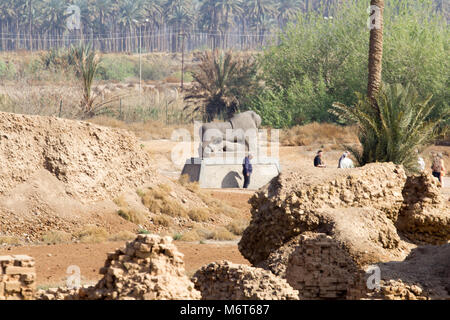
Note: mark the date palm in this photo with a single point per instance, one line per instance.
(220, 83)
(287, 10)
(375, 50)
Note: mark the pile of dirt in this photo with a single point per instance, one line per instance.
(228, 281)
(425, 215)
(60, 174)
(95, 163)
(148, 268)
(289, 205)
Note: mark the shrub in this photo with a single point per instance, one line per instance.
(157, 201)
(199, 214)
(237, 227)
(7, 70)
(9, 240)
(123, 236)
(163, 221)
(152, 71)
(92, 234)
(115, 68)
(222, 234)
(56, 237)
(131, 215)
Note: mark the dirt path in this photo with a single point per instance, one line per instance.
(53, 261)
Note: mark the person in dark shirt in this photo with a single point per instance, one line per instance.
(318, 162)
(247, 170)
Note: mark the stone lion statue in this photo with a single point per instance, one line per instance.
(238, 133)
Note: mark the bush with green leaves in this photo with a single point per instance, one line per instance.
(318, 61)
(115, 68)
(394, 129)
(7, 70)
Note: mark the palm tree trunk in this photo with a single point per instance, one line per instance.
(375, 49)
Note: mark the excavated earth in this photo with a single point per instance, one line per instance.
(59, 174)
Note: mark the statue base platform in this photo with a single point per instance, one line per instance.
(217, 173)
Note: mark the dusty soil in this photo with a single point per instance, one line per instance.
(53, 261)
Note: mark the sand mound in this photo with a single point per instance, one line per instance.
(93, 162)
(425, 215)
(59, 174)
(290, 204)
(228, 281)
(148, 268)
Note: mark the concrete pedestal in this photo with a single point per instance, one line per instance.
(216, 173)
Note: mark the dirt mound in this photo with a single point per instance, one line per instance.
(425, 215)
(59, 174)
(94, 162)
(228, 281)
(148, 268)
(425, 273)
(289, 205)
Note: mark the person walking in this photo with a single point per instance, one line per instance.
(247, 170)
(318, 162)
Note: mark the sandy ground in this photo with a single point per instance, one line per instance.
(52, 261)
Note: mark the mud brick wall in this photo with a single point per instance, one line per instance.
(321, 268)
(17, 277)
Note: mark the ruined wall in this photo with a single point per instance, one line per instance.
(228, 281)
(17, 277)
(424, 216)
(287, 206)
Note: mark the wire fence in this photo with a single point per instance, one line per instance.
(164, 41)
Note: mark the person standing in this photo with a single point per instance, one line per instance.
(318, 162)
(344, 155)
(438, 167)
(247, 170)
(420, 162)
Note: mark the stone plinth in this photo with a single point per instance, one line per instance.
(223, 172)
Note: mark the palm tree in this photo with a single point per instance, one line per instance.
(375, 50)
(181, 18)
(131, 15)
(228, 9)
(395, 129)
(86, 63)
(287, 10)
(220, 84)
(258, 13)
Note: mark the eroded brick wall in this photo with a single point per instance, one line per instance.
(17, 277)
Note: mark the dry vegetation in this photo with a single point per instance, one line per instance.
(318, 133)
